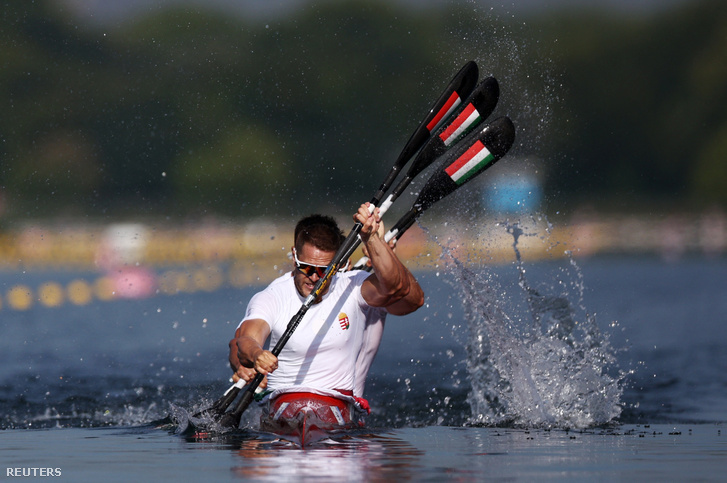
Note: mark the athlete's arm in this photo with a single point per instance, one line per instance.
(249, 340)
(391, 285)
(239, 371)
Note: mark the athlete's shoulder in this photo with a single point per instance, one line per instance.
(277, 289)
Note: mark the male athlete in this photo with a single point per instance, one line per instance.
(318, 363)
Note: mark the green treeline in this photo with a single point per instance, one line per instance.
(188, 112)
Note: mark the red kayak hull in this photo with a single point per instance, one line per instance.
(305, 418)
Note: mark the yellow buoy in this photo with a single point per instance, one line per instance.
(50, 294)
(20, 297)
(80, 292)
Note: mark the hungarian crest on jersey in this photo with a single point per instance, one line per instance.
(343, 321)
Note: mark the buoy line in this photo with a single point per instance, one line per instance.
(133, 283)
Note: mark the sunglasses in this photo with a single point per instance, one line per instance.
(308, 269)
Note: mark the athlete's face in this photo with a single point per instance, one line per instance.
(310, 265)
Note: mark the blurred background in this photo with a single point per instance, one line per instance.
(166, 132)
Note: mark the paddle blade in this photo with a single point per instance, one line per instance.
(458, 89)
(478, 107)
(220, 406)
(474, 154)
(231, 419)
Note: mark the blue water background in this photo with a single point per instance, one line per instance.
(98, 374)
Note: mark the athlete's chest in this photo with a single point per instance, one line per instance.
(329, 326)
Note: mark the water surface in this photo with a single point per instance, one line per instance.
(79, 385)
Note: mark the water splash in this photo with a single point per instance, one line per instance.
(537, 362)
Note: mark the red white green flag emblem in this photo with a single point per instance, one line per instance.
(466, 119)
(449, 106)
(343, 321)
(470, 163)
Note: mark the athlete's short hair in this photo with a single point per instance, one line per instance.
(321, 231)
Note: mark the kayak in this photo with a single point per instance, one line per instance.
(305, 418)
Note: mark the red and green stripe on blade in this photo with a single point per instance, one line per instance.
(466, 119)
(470, 163)
(449, 106)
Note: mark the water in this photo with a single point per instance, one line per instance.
(607, 368)
(418, 454)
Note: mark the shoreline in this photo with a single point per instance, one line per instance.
(137, 260)
(102, 246)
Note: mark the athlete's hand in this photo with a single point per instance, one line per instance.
(266, 362)
(381, 232)
(371, 221)
(247, 374)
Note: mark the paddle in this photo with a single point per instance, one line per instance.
(473, 155)
(465, 161)
(460, 87)
(478, 106)
(219, 407)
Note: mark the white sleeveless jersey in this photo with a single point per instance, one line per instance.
(322, 352)
(373, 332)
